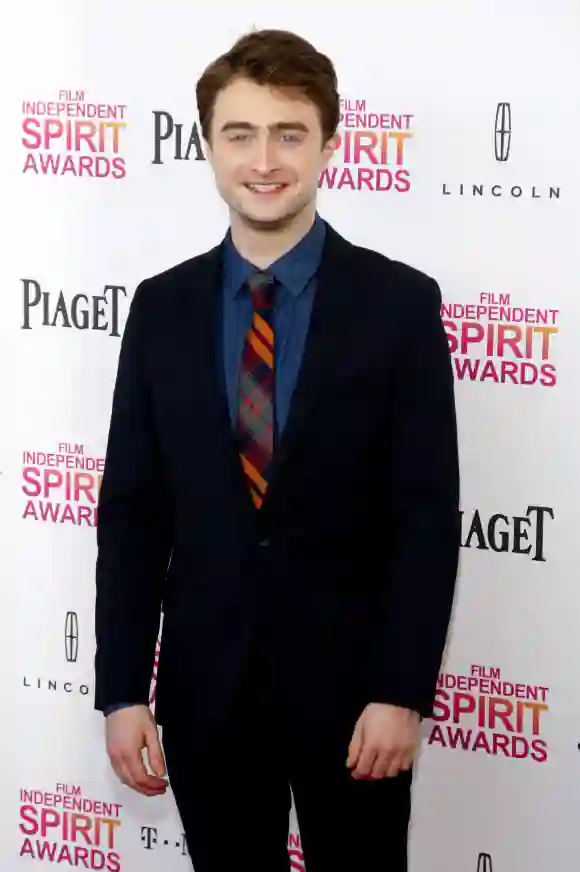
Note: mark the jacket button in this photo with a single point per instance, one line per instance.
(264, 543)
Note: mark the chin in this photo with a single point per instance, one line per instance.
(270, 217)
(261, 222)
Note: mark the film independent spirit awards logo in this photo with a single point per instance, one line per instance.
(496, 338)
(72, 135)
(487, 712)
(505, 154)
(372, 152)
(67, 684)
(61, 485)
(67, 827)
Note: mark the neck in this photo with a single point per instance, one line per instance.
(263, 247)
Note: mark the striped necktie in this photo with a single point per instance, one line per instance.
(256, 416)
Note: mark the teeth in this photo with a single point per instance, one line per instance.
(261, 188)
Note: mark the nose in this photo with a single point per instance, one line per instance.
(265, 155)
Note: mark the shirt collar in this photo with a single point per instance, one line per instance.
(293, 270)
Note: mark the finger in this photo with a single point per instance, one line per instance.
(366, 761)
(140, 777)
(394, 766)
(355, 746)
(117, 761)
(119, 769)
(155, 753)
(122, 772)
(130, 782)
(125, 776)
(145, 790)
(380, 765)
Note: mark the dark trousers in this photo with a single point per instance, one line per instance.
(233, 790)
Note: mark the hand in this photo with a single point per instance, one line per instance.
(128, 731)
(384, 742)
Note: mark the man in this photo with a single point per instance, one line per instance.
(282, 480)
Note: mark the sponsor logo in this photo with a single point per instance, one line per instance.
(515, 534)
(484, 863)
(503, 131)
(73, 136)
(62, 487)
(482, 712)
(79, 312)
(496, 341)
(71, 637)
(372, 150)
(53, 685)
(71, 653)
(296, 853)
(64, 826)
(153, 686)
(506, 187)
(152, 839)
(171, 143)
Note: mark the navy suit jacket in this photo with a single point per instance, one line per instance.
(295, 274)
(360, 521)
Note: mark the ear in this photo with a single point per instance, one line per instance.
(329, 148)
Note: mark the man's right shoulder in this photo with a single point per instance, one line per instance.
(178, 279)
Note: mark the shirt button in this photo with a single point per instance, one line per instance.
(264, 543)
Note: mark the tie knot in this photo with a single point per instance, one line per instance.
(261, 287)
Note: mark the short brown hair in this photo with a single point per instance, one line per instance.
(277, 58)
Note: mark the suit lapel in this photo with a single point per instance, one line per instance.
(331, 319)
(206, 367)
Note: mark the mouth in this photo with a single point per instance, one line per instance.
(265, 188)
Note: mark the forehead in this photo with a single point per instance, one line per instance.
(243, 100)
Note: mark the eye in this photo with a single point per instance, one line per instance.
(290, 137)
(239, 137)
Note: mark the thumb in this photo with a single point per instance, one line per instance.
(154, 752)
(356, 743)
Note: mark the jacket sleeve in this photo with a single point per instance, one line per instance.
(424, 478)
(133, 533)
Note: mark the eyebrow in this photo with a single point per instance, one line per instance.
(277, 127)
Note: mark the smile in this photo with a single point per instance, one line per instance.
(266, 188)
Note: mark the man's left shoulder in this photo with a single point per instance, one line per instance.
(394, 276)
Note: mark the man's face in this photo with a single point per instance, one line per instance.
(267, 153)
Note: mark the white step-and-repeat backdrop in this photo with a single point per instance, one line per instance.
(459, 155)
